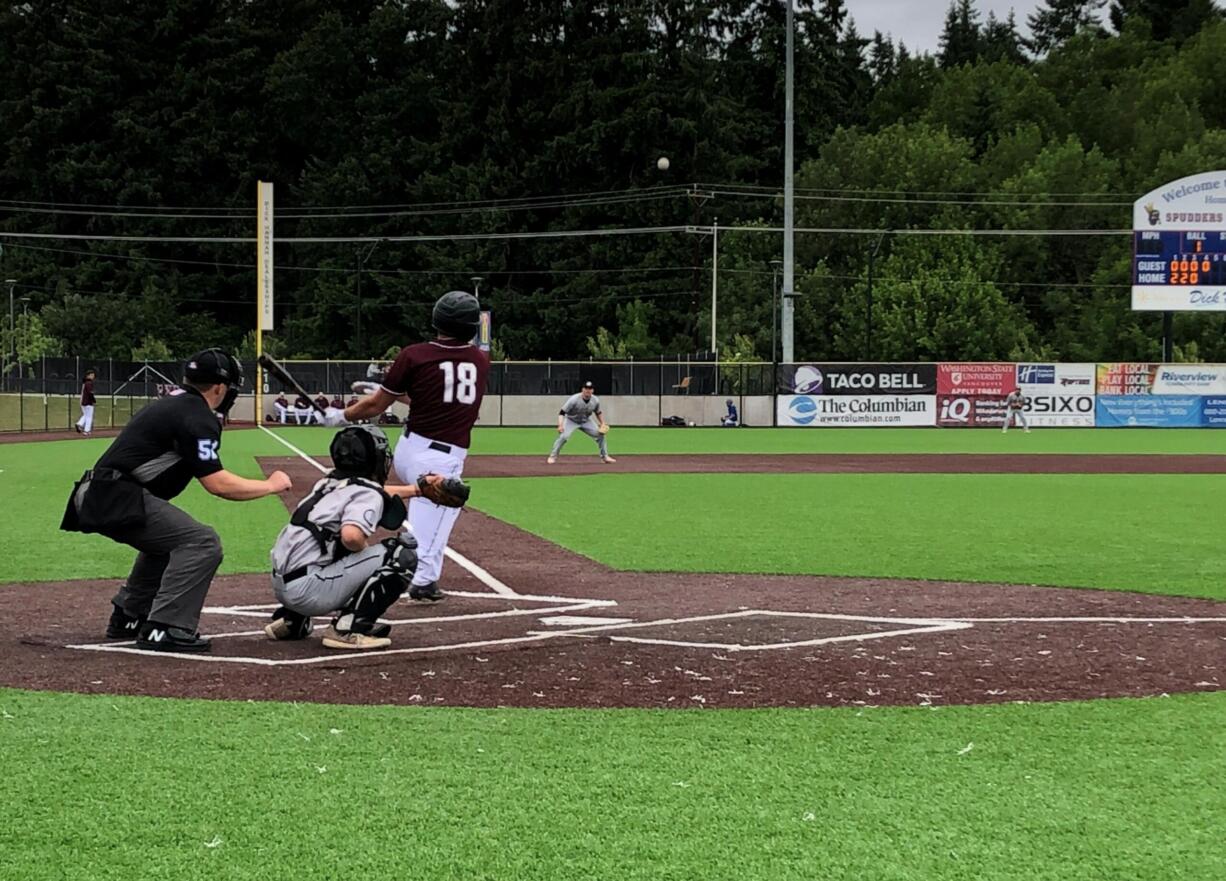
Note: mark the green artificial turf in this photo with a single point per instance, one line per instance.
(36, 412)
(1150, 533)
(36, 478)
(629, 441)
(117, 788)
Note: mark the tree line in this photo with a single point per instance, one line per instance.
(485, 129)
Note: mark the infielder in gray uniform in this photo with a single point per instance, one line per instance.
(577, 412)
(1015, 405)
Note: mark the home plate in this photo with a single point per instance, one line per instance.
(581, 621)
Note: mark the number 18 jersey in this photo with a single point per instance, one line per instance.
(445, 382)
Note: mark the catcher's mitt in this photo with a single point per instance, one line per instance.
(604, 429)
(450, 492)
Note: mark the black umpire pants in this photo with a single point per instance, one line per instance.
(177, 560)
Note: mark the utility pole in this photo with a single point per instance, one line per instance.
(12, 346)
(776, 265)
(868, 324)
(789, 257)
(362, 258)
(714, 285)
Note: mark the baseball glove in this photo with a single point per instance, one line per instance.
(450, 492)
(604, 429)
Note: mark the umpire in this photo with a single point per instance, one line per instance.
(126, 497)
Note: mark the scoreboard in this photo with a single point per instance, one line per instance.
(1179, 258)
(1179, 246)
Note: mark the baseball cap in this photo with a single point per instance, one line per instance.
(588, 384)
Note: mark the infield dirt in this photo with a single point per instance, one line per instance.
(578, 634)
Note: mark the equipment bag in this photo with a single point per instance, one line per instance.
(104, 501)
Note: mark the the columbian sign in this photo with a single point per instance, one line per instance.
(1179, 246)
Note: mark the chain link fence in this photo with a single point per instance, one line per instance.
(45, 395)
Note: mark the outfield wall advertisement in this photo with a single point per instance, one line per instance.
(972, 394)
(1058, 395)
(863, 411)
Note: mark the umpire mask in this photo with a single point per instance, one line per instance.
(213, 366)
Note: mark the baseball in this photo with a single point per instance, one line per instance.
(662, 163)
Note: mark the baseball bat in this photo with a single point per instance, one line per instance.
(274, 368)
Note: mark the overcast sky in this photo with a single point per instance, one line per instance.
(918, 23)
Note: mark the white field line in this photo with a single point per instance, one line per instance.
(321, 659)
(472, 568)
(475, 616)
(852, 637)
(1088, 620)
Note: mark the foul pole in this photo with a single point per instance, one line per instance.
(264, 285)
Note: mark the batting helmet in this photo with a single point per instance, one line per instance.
(361, 451)
(457, 314)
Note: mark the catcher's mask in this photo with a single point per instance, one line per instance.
(216, 366)
(361, 451)
(457, 314)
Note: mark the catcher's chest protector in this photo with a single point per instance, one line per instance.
(328, 537)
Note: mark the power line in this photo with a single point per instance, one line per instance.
(882, 200)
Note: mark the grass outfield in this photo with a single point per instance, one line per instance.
(628, 441)
(33, 412)
(117, 788)
(1150, 533)
(1120, 790)
(36, 478)
(1155, 533)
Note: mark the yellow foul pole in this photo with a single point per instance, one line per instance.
(264, 284)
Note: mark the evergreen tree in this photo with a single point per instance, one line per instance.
(1168, 19)
(1057, 21)
(961, 40)
(1001, 40)
(882, 59)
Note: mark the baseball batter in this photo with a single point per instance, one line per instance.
(1015, 408)
(444, 382)
(578, 413)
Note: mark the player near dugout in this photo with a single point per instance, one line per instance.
(443, 381)
(578, 413)
(85, 425)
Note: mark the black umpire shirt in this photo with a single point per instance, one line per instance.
(167, 443)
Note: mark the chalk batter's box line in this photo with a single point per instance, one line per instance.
(261, 610)
(920, 625)
(915, 626)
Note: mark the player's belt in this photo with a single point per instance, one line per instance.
(294, 574)
(442, 448)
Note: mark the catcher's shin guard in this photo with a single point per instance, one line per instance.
(361, 614)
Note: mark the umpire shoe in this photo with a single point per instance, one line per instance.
(164, 638)
(122, 625)
(426, 593)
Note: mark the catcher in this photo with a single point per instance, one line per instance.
(326, 561)
(577, 412)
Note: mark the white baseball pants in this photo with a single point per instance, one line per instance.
(430, 524)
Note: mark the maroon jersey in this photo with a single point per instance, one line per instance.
(445, 382)
(87, 394)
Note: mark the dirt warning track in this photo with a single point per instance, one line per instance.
(540, 626)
